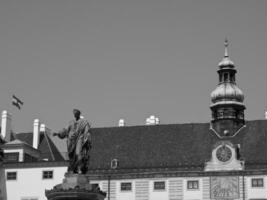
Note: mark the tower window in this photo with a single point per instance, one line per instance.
(220, 114)
(220, 78)
(225, 77)
(232, 78)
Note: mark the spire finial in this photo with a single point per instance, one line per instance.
(226, 47)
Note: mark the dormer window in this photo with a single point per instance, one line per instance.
(11, 157)
(114, 164)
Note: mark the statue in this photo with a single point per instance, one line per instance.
(78, 143)
(76, 184)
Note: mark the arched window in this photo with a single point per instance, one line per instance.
(221, 77)
(225, 77)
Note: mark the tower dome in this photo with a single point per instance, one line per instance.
(227, 92)
(226, 62)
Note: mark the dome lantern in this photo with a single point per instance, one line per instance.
(226, 61)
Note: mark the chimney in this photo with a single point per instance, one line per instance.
(152, 120)
(157, 120)
(121, 123)
(44, 129)
(6, 126)
(36, 133)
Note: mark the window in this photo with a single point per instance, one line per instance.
(47, 174)
(192, 185)
(159, 185)
(220, 77)
(225, 76)
(11, 157)
(11, 176)
(126, 186)
(257, 182)
(114, 164)
(232, 78)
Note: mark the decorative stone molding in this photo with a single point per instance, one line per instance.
(75, 187)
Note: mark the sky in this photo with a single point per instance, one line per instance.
(127, 59)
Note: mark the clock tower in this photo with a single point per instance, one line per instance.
(227, 100)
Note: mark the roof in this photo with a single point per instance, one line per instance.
(16, 141)
(163, 146)
(49, 150)
(46, 147)
(173, 145)
(156, 146)
(25, 137)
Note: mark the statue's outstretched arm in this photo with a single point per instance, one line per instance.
(62, 134)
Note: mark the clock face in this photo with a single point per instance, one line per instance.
(224, 153)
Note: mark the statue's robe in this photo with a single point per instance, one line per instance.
(78, 144)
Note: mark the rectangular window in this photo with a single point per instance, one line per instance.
(192, 185)
(126, 186)
(159, 185)
(48, 174)
(11, 157)
(11, 176)
(257, 182)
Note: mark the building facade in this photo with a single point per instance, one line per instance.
(225, 159)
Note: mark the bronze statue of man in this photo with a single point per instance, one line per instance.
(78, 143)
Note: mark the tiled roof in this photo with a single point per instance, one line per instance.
(46, 146)
(165, 146)
(25, 137)
(49, 150)
(155, 146)
(174, 145)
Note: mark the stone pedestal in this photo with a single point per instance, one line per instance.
(75, 187)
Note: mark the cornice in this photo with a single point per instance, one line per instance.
(18, 165)
(102, 175)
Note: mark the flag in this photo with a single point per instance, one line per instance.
(16, 102)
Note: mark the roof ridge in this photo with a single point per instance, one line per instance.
(48, 143)
(156, 125)
(16, 141)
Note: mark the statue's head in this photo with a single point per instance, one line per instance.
(76, 113)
